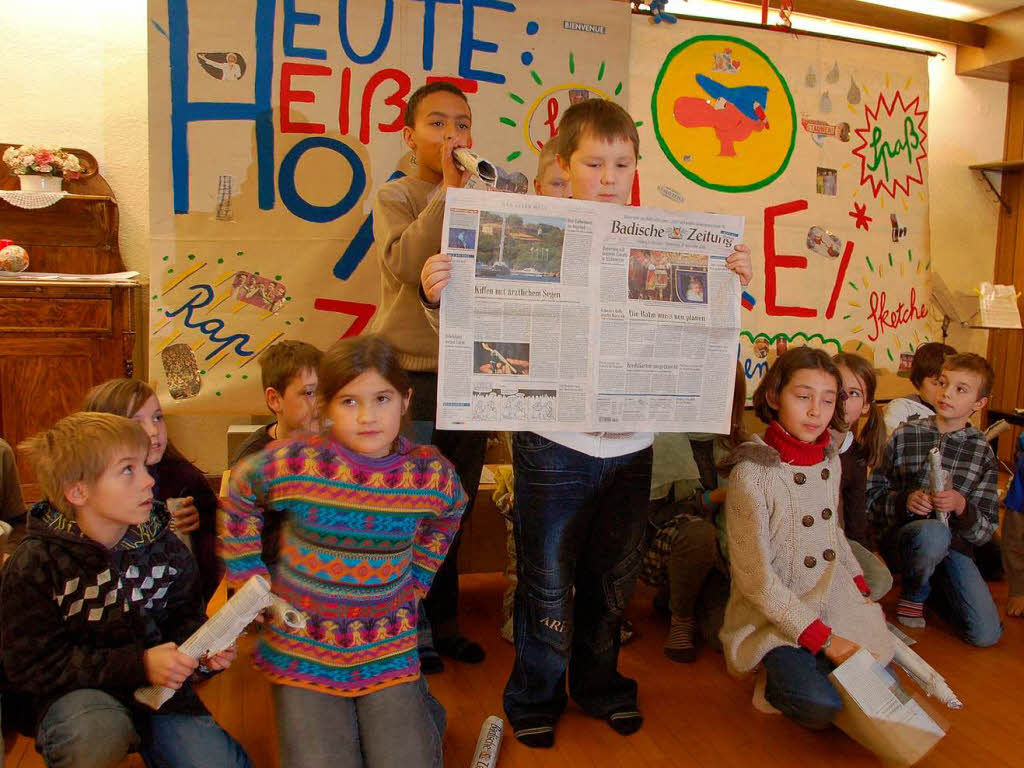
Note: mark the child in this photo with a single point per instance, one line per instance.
(580, 504)
(798, 602)
(94, 602)
(551, 180)
(924, 375)
(936, 550)
(688, 557)
(179, 483)
(859, 451)
(288, 376)
(407, 218)
(369, 518)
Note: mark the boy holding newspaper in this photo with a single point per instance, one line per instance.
(95, 601)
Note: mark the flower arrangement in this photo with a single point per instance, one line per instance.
(31, 159)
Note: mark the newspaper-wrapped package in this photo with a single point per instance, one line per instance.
(224, 627)
(489, 743)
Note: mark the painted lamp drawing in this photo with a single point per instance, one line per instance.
(734, 113)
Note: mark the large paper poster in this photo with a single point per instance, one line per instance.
(273, 123)
(822, 145)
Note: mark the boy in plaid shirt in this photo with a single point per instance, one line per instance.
(930, 537)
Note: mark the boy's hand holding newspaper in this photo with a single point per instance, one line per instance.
(168, 667)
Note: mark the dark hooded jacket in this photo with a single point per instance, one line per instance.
(74, 614)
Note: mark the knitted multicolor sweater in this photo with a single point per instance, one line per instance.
(362, 541)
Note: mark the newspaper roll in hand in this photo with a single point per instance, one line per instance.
(472, 162)
(224, 627)
(488, 745)
(924, 674)
(938, 479)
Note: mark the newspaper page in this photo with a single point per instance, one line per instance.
(582, 316)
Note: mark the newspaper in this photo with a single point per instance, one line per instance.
(583, 316)
(224, 627)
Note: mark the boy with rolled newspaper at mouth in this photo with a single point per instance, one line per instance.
(94, 603)
(934, 499)
(407, 217)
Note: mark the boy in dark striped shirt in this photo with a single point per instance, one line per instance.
(929, 536)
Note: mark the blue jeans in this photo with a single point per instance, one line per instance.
(399, 726)
(579, 525)
(88, 728)
(948, 580)
(798, 686)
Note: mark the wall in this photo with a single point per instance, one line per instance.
(82, 83)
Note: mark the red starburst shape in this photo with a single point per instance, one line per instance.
(892, 145)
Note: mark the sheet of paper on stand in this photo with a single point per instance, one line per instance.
(880, 715)
(224, 627)
(998, 304)
(113, 277)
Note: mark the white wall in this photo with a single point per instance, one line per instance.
(82, 82)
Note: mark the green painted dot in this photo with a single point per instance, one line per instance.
(202, 373)
(191, 256)
(154, 297)
(239, 253)
(277, 277)
(220, 261)
(302, 319)
(245, 376)
(217, 394)
(170, 271)
(255, 273)
(166, 258)
(287, 322)
(287, 298)
(227, 376)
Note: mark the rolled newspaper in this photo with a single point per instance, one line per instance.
(472, 162)
(224, 627)
(938, 479)
(489, 744)
(924, 674)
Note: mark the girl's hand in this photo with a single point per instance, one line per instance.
(739, 262)
(184, 515)
(840, 649)
(222, 660)
(435, 275)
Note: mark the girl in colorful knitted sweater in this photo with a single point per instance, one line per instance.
(798, 605)
(369, 518)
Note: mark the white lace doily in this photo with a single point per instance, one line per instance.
(30, 199)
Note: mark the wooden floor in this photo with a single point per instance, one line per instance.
(695, 715)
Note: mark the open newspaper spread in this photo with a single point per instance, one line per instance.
(582, 316)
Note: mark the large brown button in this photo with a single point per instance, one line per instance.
(810, 562)
(824, 473)
(799, 478)
(826, 513)
(808, 521)
(829, 555)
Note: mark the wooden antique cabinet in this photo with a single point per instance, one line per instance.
(59, 339)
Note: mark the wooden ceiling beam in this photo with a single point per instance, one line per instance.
(883, 17)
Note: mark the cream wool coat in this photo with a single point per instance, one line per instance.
(790, 562)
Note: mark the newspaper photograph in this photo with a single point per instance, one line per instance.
(586, 317)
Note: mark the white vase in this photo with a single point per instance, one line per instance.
(32, 182)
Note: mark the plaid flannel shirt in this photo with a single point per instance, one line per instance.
(904, 469)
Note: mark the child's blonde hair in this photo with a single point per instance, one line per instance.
(602, 119)
(78, 449)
